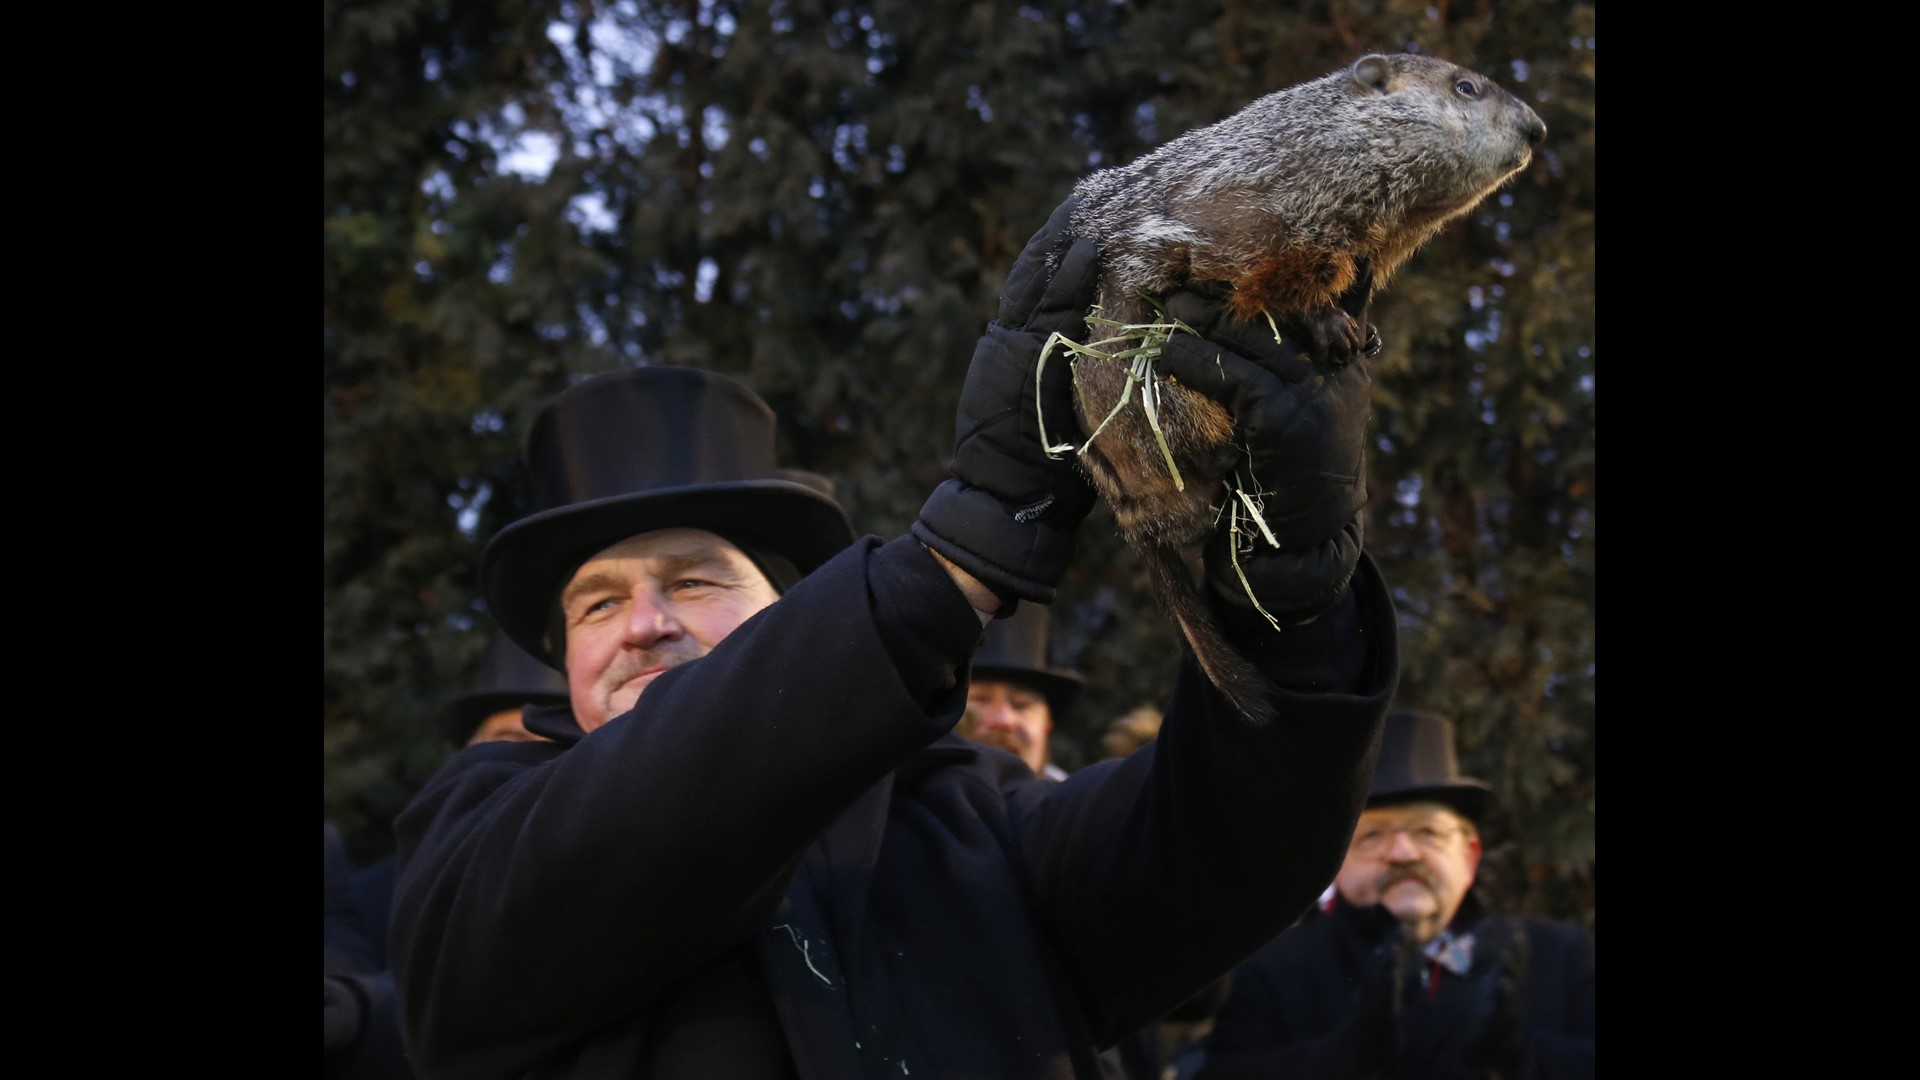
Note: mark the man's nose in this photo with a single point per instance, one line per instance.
(996, 717)
(650, 619)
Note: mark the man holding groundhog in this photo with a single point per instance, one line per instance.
(755, 847)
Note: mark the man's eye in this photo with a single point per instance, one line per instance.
(691, 583)
(596, 606)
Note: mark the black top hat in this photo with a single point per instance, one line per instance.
(1015, 650)
(1417, 764)
(508, 676)
(649, 448)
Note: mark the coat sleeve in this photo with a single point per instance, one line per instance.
(1530, 1013)
(546, 891)
(1157, 874)
(1559, 1035)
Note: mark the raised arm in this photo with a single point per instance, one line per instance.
(1162, 872)
(679, 823)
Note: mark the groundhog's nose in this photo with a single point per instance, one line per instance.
(1536, 131)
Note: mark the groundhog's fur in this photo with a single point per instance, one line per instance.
(1287, 204)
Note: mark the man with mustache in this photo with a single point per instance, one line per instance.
(508, 680)
(1014, 696)
(1400, 972)
(753, 845)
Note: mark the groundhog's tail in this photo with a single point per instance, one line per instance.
(1237, 679)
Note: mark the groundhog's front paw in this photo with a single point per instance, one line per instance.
(1333, 336)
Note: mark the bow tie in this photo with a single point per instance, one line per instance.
(1450, 952)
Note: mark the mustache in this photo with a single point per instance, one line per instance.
(631, 664)
(1398, 874)
(1006, 740)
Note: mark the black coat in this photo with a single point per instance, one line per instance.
(1292, 1011)
(781, 858)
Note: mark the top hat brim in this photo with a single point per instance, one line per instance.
(527, 563)
(1470, 798)
(1060, 688)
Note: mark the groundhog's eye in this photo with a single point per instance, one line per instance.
(1467, 88)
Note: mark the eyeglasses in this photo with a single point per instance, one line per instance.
(1374, 840)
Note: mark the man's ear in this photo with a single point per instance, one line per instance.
(1473, 854)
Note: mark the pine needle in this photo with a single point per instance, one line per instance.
(1233, 555)
(1253, 509)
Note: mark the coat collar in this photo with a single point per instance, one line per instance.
(554, 722)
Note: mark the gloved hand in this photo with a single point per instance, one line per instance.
(361, 1029)
(1303, 424)
(1009, 514)
(343, 1014)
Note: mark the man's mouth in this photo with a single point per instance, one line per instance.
(643, 678)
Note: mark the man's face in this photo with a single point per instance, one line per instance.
(649, 603)
(503, 726)
(1417, 859)
(1010, 715)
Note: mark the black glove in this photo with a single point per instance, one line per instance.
(343, 1014)
(361, 1029)
(1303, 424)
(1009, 514)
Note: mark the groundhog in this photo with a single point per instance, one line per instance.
(1283, 207)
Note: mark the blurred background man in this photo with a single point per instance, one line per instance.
(1402, 972)
(508, 679)
(1016, 697)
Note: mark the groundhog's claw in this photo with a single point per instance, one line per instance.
(1333, 336)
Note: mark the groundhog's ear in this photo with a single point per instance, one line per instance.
(1371, 71)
